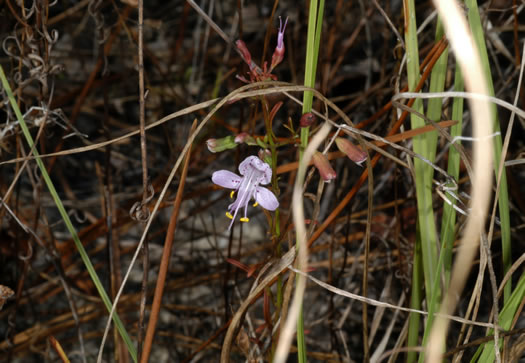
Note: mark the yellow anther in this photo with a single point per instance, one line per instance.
(255, 204)
(244, 219)
(229, 215)
(232, 193)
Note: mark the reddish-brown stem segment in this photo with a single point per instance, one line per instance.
(164, 262)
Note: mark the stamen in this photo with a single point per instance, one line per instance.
(245, 219)
(231, 194)
(229, 215)
(255, 204)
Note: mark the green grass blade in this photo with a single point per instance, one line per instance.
(437, 84)
(313, 41)
(503, 200)
(415, 303)
(448, 223)
(315, 26)
(311, 54)
(425, 252)
(67, 220)
(506, 317)
(423, 172)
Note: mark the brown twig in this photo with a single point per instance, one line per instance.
(144, 163)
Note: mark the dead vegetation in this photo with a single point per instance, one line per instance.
(75, 69)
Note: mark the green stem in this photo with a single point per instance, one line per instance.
(423, 172)
(315, 25)
(437, 84)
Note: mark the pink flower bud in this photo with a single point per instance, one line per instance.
(218, 145)
(243, 137)
(353, 152)
(323, 165)
(245, 53)
(266, 156)
(307, 119)
(278, 53)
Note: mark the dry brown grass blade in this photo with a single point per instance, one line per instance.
(285, 339)
(164, 262)
(382, 304)
(276, 269)
(145, 190)
(285, 168)
(58, 348)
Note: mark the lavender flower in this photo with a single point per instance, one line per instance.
(254, 171)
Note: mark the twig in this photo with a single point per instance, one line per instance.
(144, 212)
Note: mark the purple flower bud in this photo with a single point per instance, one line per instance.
(247, 57)
(353, 152)
(323, 165)
(218, 145)
(254, 171)
(278, 53)
(307, 119)
(212, 144)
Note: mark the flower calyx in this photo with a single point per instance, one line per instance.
(218, 145)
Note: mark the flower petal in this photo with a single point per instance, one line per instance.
(246, 166)
(253, 163)
(266, 198)
(226, 179)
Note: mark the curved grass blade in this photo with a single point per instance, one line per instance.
(66, 219)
